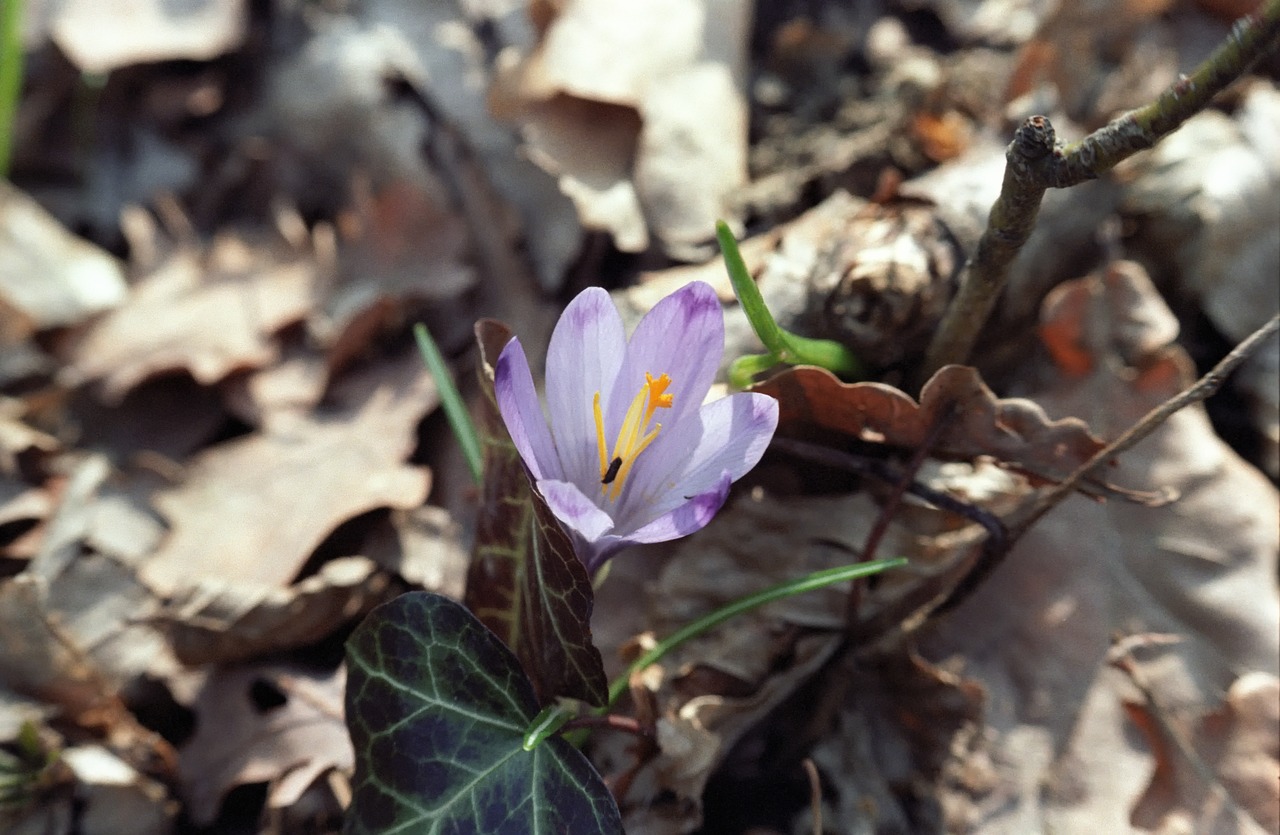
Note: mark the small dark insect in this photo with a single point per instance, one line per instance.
(612, 473)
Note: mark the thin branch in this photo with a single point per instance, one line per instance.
(1035, 163)
(1201, 390)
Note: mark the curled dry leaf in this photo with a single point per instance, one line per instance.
(957, 417)
(205, 313)
(99, 38)
(48, 277)
(1216, 770)
(286, 490)
(664, 80)
(216, 622)
(264, 724)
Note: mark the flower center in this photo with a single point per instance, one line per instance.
(632, 435)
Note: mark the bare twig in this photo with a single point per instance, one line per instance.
(1202, 389)
(889, 509)
(1034, 163)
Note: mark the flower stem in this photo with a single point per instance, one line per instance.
(783, 346)
(810, 582)
(451, 400)
(11, 57)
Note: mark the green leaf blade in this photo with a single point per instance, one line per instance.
(437, 707)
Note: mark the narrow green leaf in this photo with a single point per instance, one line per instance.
(788, 588)
(455, 408)
(12, 55)
(525, 582)
(437, 708)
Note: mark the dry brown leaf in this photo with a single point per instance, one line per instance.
(1036, 636)
(208, 314)
(678, 67)
(425, 547)
(216, 622)
(398, 250)
(252, 510)
(264, 724)
(100, 37)
(1217, 772)
(957, 417)
(595, 175)
(48, 277)
(1204, 206)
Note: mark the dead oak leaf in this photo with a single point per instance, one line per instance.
(264, 724)
(205, 313)
(957, 416)
(253, 509)
(1222, 774)
(218, 622)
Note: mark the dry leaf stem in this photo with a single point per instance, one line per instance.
(1035, 163)
(1201, 390)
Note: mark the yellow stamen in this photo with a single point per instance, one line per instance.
(604, 457)
(632, 438)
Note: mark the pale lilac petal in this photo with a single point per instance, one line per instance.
(585, 353)
(586, 524)
(521, 412)
(728, 435)
(690, 515)
(682, 336)
(577, 512)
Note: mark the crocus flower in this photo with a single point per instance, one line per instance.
(631, 454)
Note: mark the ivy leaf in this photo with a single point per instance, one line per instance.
(437, 708)
(525, 582)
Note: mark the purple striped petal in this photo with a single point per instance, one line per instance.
(728, 435)
(690, 515)
(585, 522)
(522, 413)
(682, 336)
(586, 350)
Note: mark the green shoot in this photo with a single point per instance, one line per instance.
(11, 56)
(455, 409)
(784, 346)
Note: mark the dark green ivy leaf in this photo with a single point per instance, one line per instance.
(525, 582)
(437, 708)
